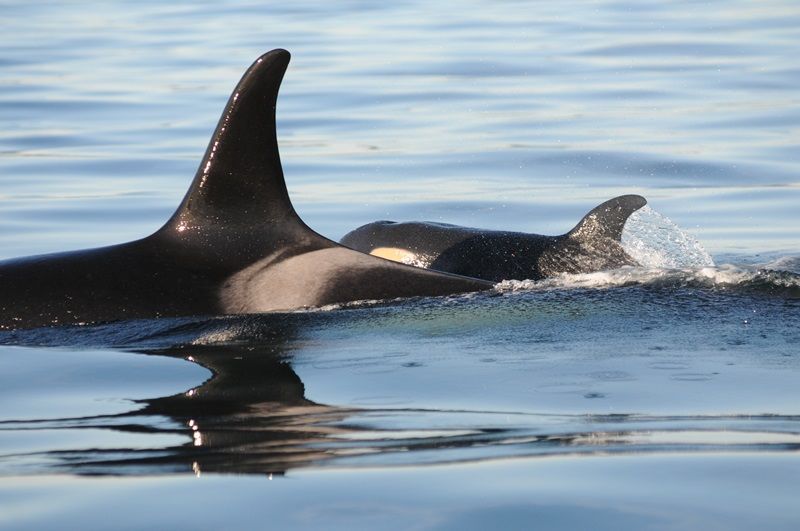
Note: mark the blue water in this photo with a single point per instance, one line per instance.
(659, 397)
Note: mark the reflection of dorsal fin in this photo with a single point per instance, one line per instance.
(608, 219)
(240, 180)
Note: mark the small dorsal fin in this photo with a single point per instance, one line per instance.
(240, 180)
(608, 219)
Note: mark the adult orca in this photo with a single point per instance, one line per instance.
(235, 244)
(593, 245)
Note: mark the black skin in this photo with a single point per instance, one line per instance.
(235, 244)
(593, 245)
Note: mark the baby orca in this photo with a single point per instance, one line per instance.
(593, 245)
(235, 244)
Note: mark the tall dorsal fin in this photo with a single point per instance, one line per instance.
(608, 219)
(240, 180)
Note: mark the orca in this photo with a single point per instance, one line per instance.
(234, 245)
(593, 245)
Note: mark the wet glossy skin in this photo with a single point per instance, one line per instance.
(593, 245)
(235, 244)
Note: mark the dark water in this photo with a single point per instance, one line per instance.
(657, 397)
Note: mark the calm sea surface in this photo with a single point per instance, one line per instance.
(657, 397)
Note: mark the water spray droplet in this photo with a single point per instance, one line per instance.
(654, 241)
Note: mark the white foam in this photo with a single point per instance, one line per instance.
(784, 263)
(597, 279)
(717, 276)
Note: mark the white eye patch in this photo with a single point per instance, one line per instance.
(395, 254)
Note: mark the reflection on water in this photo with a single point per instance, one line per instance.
(386, 403)
(252, 417)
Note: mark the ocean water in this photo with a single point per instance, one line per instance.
(663, 396)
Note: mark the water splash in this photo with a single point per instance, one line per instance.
(654, 241)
